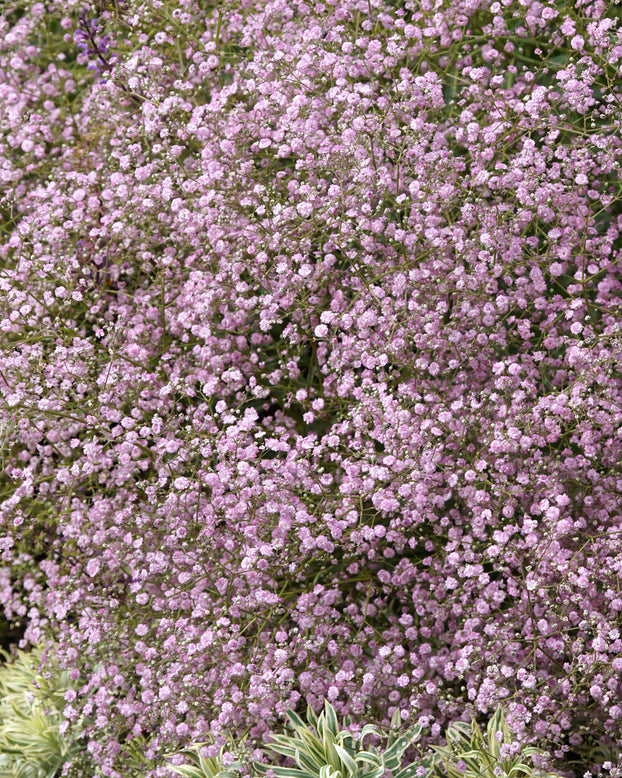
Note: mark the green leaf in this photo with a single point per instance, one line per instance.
(56, 766)
(331, 719)
(530, 750)
(432, 764)
(410, 771)
(328, 772)
(188, 771)
(291, 772)
(331, 753)
(347, 761)
(496, 724)
(311, 717)
(396, 723)
(367, 757)
(297, 722)
(346, 741)
(311, 740)
(393, 755)
(460, 732)
(452, 772)
(368, 729)
(414, 733)
(521, 768)
(477, 738)
(475, 756)
(313, 748)
(305, 762)
(377, 773)
(285, 750)
(286, 745)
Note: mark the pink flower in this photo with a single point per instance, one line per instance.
(305, 209)
(577, 42)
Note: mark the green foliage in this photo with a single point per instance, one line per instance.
(591, 751)
(322, 750)
(468, 754)
(31, 705)
(205, 767)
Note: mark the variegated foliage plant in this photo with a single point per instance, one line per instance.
(470, 754)
(32, 742)
(205, 767)
(321, 749)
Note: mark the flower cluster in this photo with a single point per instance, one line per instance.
(310, 360)
(91, 45)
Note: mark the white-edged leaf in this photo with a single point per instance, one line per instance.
(332, 757)
(459, 734)
(496, 724)
(367, 757)
(331, 719)
(378, 772)
(521, 768)
(410, 771)
(313, 748)
(368, 729)
(188, 771)
(305, 762)
(311, 717)
(346, 759)
(292, 772)
(295, 719)
(346, 741)
(278, 748)
(328, 772)
(393, 755)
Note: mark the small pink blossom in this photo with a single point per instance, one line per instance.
(577, 42)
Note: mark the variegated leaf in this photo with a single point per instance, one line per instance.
(292, 772)
(410, 771)
(347, 761)
(332, 757)
(369, 729)
(305, 762)
(295, 719)
(393, 755)
(378, 772)
(331, 719)
(188, 771)
(285, 750)
(311, 717)
(328, 772)
(367, 757)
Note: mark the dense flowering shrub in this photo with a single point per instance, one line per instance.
(470, 753)
(310, 363)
